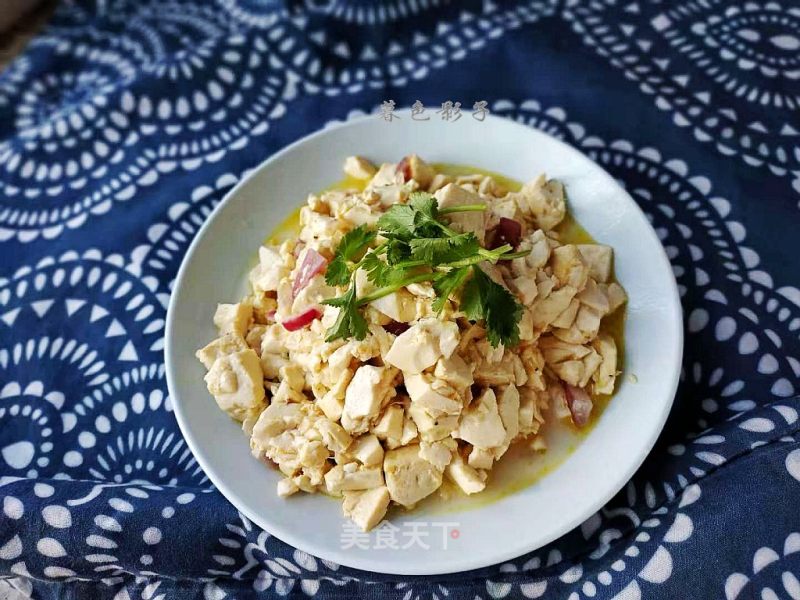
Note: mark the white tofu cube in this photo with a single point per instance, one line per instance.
(399, 306)
(236, 382)
(364, 397)
(269, 271)
(599, 259)
(464, 222)
(465, 477)
(422, 344)
(359, 167)
(227, 344)
(367, 450)
(409, 477)
(233, 318)
(390, 425)
(480, 423)
(366, 508)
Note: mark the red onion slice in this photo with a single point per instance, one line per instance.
(301, 320)
(313, 263)
(508, 231)
(579, 403)
(404, 167)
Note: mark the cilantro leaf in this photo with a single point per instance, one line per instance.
(350, 322)
(352, 244)
(398, 222)
(447, 285)
(418, 218)
(381, 273)
(436, 251)
(484, 299)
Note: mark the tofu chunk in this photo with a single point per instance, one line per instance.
(359, 167)
(598, 258)
(236, 382)
(226, 344)
(367, 450)
(409, 477)
(544, 201)
(350, 477)
(481, 458)
(463, 222)
(365, 395)
(616, 296)
(480, 423)
(267, 274)
(568, 266)
(455, 371)
(465, 477)
(399, 306)
(233, 318)
(593, 297)
(606, 374)
(366, 508)
(390, 425)
(546, 310)
(508, 408)
(413, 167)
(424, 392)
(438, 453)
(420, 346)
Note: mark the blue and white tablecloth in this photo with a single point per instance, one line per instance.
(125, 121)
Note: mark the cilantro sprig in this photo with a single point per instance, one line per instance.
(416, 246)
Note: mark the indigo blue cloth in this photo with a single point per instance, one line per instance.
(125, 121)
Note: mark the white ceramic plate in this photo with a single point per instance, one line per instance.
(214, 270)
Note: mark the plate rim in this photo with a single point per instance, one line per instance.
(284, 533)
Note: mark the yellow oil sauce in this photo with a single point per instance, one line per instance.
(521, 466)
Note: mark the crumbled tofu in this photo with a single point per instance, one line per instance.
(233, 318)
(236, 382)
(399, 306)
(422, 344)
(465, 477)
(544, 201)
(226, 344)
(342, 478)
(598, 258)
(606, 374)
(593, 297)
(365, 395)
(463, 222)
(436, 399)
(616, 296)
(287, 487)
(333, 435)
(438, 453)
(508, 408)
(480, 458)
(546, 310)
(358, 167)
(423, 394)
(454, 371)
(480, 423)
(413, 167)
(409, 477)
(568, 266)
(267, 274)
(366, 508)
(390, 425)
(367, 450)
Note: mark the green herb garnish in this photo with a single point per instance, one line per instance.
(417, 246)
